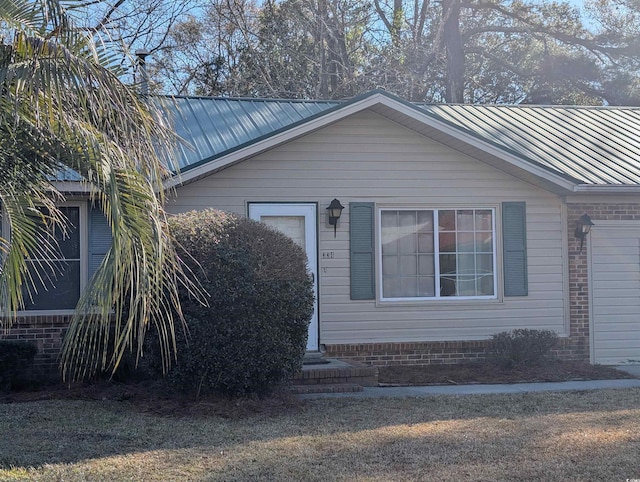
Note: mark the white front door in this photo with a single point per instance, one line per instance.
(298, 221)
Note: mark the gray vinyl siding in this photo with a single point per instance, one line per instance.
(367, 158)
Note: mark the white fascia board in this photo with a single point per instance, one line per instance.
(353, 108)
(607, 189)
(76, 187)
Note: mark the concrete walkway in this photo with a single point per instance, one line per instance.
(481, 389)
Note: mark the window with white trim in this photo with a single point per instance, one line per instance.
(453, 257)
(59, 281)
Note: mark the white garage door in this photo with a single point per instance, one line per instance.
(615, 292)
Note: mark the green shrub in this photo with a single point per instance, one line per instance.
(15, 359)
(253, 334)
(521, 347)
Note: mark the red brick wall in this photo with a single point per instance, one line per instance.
(424, 353)
(437, 352)
(47, 333)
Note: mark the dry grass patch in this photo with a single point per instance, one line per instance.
(544, 436)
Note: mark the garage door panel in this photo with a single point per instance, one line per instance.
(621, 339)
(618, 257)
(611, 293)
(616, 239)
(618, 360)
(615, 351)
(624, 266)
(616, 263)
(618, 357)
(624, 247)
(619, 301)
(628, 310)
(614, 272)
(619, 331)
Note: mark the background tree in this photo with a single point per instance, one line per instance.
(130, 25)
(63, 108)
(447, 51)
(507, 51)
(202, 53)
(292, 48)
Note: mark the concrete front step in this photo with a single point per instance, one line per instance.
(331, 371)
(326, 388)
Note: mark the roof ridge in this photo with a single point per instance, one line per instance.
(255, 99)
(536, 106)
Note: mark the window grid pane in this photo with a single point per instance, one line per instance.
(57, 286)
(468, 270)
(465, 253)
(407, 254)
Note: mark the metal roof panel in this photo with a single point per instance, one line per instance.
(214, 126)
(597, 146)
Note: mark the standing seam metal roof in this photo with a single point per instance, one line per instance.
(596, 145)
(590, 145)
(217, 126)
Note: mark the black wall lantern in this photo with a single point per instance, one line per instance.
(334, 211)
(583, 226)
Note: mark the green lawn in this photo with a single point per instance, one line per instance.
(551, 436)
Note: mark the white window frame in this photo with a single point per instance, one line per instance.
(84, 256)
(437, 298)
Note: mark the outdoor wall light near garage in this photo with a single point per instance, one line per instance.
(334, 212)
(583, 226)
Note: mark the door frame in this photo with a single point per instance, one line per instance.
(310, 212)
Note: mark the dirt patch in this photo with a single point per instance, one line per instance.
(157, 399)
(549, 371)
(154, 397)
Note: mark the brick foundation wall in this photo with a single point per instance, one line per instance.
(424, 353)
(437, 352)
(47, 333)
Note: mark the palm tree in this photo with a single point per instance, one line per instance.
(64, 109)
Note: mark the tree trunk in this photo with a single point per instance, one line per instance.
(322, 47)
(454, 51)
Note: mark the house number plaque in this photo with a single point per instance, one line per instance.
(328, 254)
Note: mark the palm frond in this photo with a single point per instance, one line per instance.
(60, 91)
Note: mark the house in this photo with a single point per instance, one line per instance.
(459, 221)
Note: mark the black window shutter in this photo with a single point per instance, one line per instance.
(362, 250)
(514, 242)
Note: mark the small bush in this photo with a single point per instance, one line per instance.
(521, 347)
(15, 359)
(253, 334)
